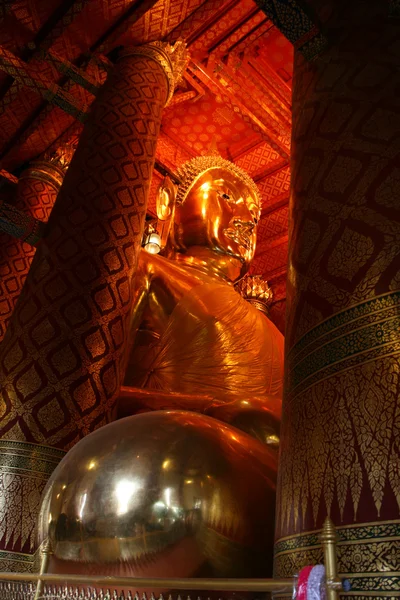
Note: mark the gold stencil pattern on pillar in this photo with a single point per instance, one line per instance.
(25, 469)
(348, 430)
(367, 555)
(64, 352)
(62, 362)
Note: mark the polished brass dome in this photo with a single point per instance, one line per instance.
(162, 494)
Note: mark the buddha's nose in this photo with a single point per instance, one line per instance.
(243, 215)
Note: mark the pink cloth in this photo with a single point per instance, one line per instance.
(303, 583)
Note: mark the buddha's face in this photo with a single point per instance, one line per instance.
(219, 212)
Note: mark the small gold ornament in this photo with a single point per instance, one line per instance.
(60, 156)
(256, 290)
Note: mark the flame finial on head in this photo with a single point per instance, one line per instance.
(213, 149)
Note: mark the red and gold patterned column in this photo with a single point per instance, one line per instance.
(340, 452)
(37, 191)
(63, 355)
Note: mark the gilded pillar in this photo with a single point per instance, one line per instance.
(62, 359)
(341, 427)
(37, 191)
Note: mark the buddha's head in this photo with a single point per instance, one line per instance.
(216, 206)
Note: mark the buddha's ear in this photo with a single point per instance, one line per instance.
(166, 199)
(165, 207)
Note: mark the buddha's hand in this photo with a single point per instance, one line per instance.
(259, 417)
(132, 401)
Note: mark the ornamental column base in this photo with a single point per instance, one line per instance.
(24, 471)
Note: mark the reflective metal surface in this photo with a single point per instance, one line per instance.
(162, 494)
(192, 333)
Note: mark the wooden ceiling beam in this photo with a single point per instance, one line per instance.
(102, 45)
(277, 273)
(222, 7)
(271, 79)
(109, 39)
(233, 29)
(69, 70)
(298, 23)
(259, 27)
(232, 99)
(70, 136)
(275, 116)
(9, 176)
(246, 149)
(61, 18)
(271, 169)
(269, 243)
(277, 110)
(49, 90)
(271, 276)
(195, 84)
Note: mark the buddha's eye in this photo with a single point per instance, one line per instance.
(224, 196)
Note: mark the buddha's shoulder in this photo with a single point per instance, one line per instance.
(155, 262)
(155, 266)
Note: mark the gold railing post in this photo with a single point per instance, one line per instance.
(328, 540)
(44, 563)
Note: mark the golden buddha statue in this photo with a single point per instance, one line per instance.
(193, 333)
(171, 493)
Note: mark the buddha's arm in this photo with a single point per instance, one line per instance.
(159, 285)
(140, 298)
(156, 292)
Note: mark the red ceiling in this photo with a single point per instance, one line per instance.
(237, 92)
